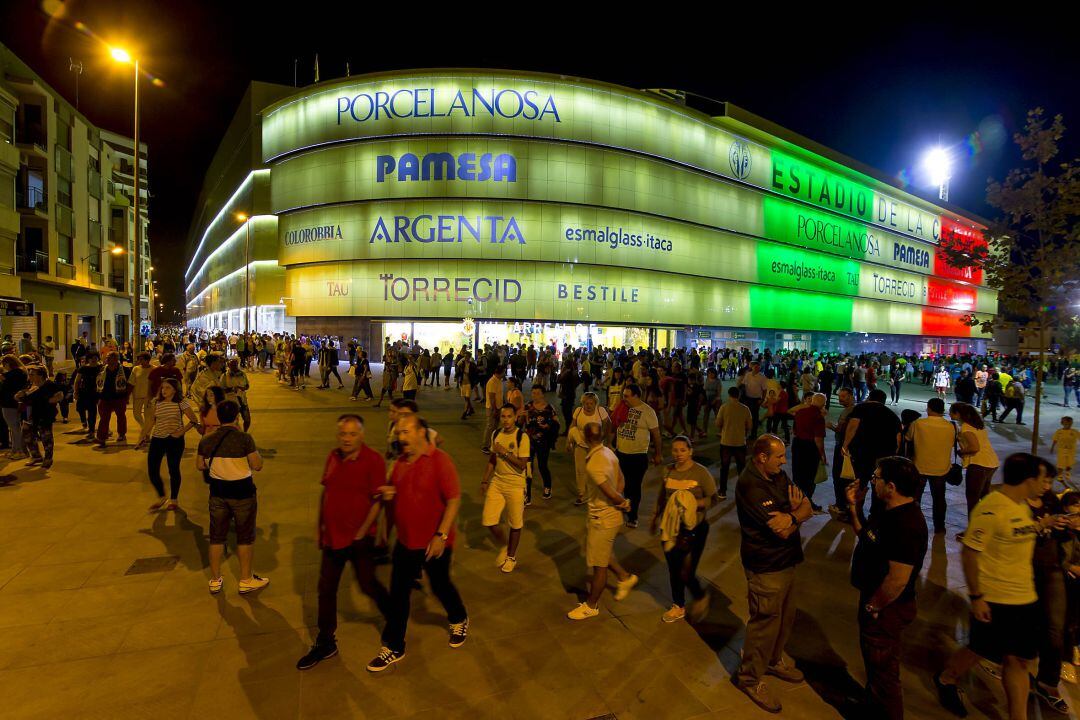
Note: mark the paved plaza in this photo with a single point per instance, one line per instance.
(81, 637)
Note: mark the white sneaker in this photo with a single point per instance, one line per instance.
(583, 612)
(509, 565)
(255, 583)
(215, 585)
(501, 557)
(623, 587)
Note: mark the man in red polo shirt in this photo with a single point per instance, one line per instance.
(352, 481)
(425, 495)
(166, 369)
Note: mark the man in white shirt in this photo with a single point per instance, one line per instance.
(632, 440)
(754, 386)
(934, 437)
(606, 505)
(503, 486)
(140, 387)
(494, 397)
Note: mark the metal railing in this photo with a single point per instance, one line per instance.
(32, 198)
(33, 262)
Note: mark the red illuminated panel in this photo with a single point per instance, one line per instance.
(950, 295)
(943, 322)
(962, 237)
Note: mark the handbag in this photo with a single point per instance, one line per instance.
(822, 474)
(847, 470)
(955, 476)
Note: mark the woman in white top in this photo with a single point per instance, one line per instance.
(590, 411)
(165, 428)
(941, 382)
(976, 452)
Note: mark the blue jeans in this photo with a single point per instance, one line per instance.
(11, 417)
(860, 391)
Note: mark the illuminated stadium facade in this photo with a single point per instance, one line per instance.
(456, 206)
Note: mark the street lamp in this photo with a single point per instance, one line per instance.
(123, 56)
(939, 166)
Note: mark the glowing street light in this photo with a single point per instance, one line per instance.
(117, 250)
(120, 55)
(939, 166)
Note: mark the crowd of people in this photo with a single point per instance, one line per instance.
(618, 411)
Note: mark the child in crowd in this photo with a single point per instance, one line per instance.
(1064, 440)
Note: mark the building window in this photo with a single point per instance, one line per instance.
(63, 191)
(65, 249)
(94, 245)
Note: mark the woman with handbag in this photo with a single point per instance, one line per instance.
(808, 447)
(684, 536)
(976, 452)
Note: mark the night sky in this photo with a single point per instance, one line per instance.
(874, 85)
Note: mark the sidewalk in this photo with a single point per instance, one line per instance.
(81, 638)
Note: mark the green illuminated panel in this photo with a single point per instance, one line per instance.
(812, 184)
(790, 309)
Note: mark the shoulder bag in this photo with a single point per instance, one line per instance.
(955, 475)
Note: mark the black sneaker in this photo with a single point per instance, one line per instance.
(384, 659)
(458, 632)
(316, 655)
(951, 697)
(547, 494)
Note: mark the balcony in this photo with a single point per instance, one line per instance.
(65, 270)
(33, 137)
(32, 198)
(32, 262)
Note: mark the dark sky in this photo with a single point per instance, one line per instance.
(880, 84)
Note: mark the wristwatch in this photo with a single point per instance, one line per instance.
(444, 536)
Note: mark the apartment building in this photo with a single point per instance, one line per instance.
(67, 223)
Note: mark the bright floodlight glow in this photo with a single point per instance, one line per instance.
(120, 55)
(241, 217)
(117, 250)
(938, 165)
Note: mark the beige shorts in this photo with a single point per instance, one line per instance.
(466, 390)
(496, 499)
(600, 537)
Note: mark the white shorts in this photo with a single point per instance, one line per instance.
(499, 497)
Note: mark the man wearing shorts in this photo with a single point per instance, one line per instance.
(230, 456)
(997, 559)
(603, 493)
(503, 486)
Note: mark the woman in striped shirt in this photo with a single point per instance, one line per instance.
(166, 429)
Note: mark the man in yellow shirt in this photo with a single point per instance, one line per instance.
(997, 558)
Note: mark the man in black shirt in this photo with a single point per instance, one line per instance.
(884, 568)
(770, 510)
(873, 432)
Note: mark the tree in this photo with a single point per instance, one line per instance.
(1032, 254)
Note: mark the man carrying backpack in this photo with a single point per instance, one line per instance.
(503, 485)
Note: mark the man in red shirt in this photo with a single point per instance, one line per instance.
(425, 495)
(353, 479)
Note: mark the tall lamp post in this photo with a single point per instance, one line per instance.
(122, 56)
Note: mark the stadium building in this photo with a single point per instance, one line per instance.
(463, 206)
